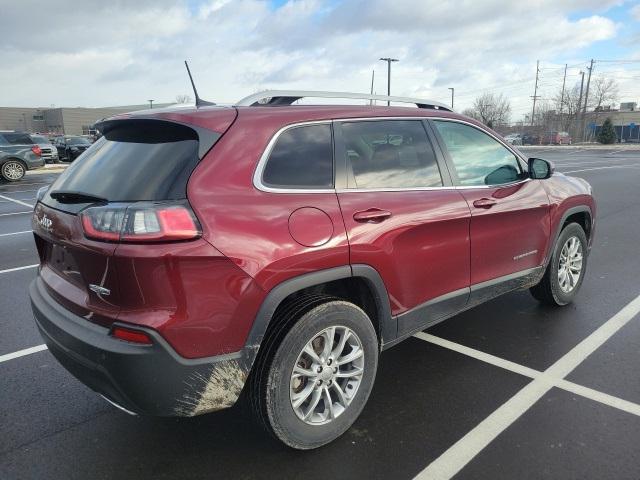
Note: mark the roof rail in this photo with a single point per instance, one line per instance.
(287, 97)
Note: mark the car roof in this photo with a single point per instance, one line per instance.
(295, 113)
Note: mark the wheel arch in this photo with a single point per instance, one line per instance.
(580, 214)
(360, 284)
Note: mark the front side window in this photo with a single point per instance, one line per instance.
(301, 158)
(478, 158)
(389, 154)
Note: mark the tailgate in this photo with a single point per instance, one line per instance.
(78, 272)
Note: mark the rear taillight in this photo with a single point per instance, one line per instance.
(37, 150)
(131, 335)
(140, 222)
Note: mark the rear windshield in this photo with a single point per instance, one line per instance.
(150, 161)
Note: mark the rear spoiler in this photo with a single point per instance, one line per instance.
(155, 130)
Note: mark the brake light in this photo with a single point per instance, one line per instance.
(140, 222)
(37, 150)
(131, 335)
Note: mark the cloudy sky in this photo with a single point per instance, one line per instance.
(103, 53)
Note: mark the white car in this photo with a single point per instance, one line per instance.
(514, 139)
(49, 152)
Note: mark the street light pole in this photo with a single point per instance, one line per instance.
(150, 103)
(452, 90)
(389, 60)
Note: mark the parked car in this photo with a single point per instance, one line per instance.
(49, 152)
(530, 139)
(194, 254)
(514, 139)
(17, 155)
(557, 138)
(71, 147)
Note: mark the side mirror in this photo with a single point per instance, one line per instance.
(540, 169)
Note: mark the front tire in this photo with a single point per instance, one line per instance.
(565, 272)
(319, 376)
(12, 170)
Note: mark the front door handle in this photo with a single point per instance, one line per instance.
(484, 203)
(372, 215)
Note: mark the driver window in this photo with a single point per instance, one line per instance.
(478, 158)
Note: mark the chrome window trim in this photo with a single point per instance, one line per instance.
(257, 175)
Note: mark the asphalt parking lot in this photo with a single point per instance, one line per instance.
(509, 389)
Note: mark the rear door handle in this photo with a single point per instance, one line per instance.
(484, 203)
(372, 215)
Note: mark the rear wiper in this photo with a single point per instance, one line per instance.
(71, 196)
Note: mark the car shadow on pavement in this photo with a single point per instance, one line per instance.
(425, 399)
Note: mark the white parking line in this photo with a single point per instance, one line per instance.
(19, 202)
(13, 213)
(465, 449)
(25, 184)
(22, 353)
(603, 168)
(15, 233)
(20, 191)
(15, 269)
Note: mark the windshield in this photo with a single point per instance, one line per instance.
(39, 139)
(78, 141)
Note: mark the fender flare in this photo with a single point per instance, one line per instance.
(565, 215)
(386, 324)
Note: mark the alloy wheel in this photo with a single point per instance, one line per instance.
(327, 375)
(13, 170)
(570, 265)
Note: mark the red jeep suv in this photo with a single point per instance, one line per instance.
(274, 250)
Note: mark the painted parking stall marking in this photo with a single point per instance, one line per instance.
(19, 202)
(465, 449)
(22, 353)
(15, 269)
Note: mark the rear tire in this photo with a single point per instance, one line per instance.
(318, 402)
(564, 275)
(13, 170)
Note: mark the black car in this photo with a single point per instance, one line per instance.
(530, 139)
(70, 147)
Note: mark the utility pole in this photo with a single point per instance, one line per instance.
(452, 91)
(586, 99)
(373, 76)
(150, 103)
(389, 60)
(535, 93)
(564, 81)
(578, 110)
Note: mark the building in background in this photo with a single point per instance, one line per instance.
(68, 121)
(626, 122)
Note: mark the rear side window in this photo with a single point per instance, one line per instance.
(301, 158)
(17, 139)
(390, 154)
(139, 160)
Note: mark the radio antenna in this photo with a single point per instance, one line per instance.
(199, 101)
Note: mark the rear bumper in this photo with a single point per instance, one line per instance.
(148, 380)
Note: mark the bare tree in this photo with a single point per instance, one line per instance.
(568, 107)
(490, 109)
(604, 92)
(183, 98)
